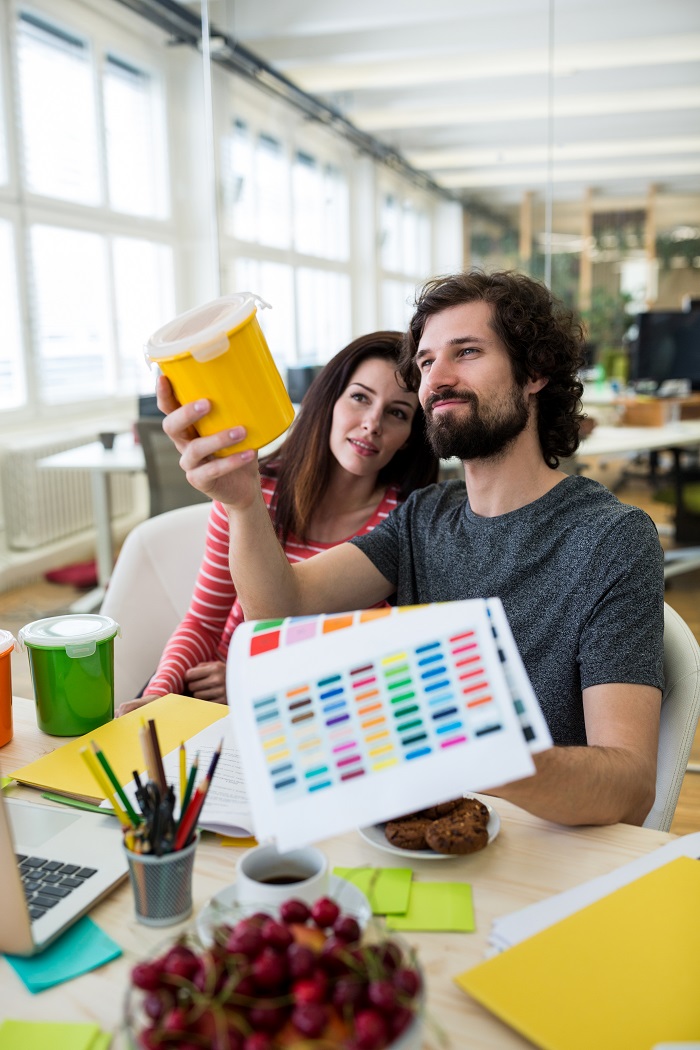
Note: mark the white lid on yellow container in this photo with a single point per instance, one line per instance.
(77, 633)
(203, 331)
(7, 642)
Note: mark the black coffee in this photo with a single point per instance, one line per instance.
(283, 880)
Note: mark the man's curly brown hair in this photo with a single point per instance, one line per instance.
(542, 337)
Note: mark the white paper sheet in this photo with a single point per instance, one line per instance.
(226, 810)
(353, 719)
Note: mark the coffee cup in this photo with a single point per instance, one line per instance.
(266, 876)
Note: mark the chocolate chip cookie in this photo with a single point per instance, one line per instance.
(455, 834)
(408, 832)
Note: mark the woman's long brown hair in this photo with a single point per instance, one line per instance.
(302, 465)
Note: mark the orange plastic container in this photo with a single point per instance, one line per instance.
(218, 352)
(7, 644)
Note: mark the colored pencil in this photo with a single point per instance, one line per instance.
(183, 772)
(190, 786)
(189, 820)
(104, 785)
(147, 749)
(102, 759)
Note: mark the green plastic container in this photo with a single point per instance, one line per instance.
(71, 659)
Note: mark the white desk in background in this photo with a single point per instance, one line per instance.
(126, 457)
(618, 441)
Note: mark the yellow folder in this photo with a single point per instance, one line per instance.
(620, 974)
(177, 718)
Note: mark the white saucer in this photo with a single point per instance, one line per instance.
(224, 906)
(374, 834)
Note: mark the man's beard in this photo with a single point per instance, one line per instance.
(476, 435)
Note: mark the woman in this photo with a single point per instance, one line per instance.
(355, 450)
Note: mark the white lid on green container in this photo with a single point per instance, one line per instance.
(7, 642)
(203, 331)
(77, 633)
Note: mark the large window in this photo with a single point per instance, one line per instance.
(287, 220)
(91, 211)
(405, 256)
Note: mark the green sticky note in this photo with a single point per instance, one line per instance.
(6, 781)
(37, 1035)
(386, 889)
(78, 803)
(82, 948)
(443, 906)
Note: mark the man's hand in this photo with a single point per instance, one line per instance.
(231, 479)
(133, 705)
(207, 681)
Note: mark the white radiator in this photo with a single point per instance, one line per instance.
(41, 506)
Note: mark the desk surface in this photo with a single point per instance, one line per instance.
(529, 860)
(610, 441)
(126, 456)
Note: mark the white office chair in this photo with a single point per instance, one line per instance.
(150, 591)
(680, 711)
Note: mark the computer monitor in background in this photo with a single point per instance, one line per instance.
(667, 346)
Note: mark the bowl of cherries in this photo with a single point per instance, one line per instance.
(307, 977)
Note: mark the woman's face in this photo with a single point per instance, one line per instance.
(372, 418)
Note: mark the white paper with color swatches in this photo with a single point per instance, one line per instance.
(329, 741)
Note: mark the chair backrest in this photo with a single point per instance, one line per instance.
(167, 485)
(680, 711)
(150, 591)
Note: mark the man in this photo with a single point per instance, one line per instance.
(579, 573)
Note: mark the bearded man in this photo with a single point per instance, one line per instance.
(495, 361)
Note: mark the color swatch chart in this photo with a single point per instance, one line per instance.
(269, 635)
(373, 714)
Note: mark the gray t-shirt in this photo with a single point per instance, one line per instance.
(579, 573)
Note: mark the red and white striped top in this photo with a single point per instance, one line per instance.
(215, 612)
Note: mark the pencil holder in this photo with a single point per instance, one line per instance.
(162, 885)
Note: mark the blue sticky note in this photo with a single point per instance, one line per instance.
(80, 949)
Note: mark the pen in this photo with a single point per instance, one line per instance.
(183, 772)
(190, 785)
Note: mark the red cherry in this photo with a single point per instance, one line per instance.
(276, 935)
(258, 1041)
(176, 1020)
(294, 911)
(301, 961)
(347, 929)
(247, 941)
(310, 1019)
(324, 912)
(269, 969)
(181, 961)
(371, 1032)
(349, 993)
(266, 1018)
(407, 982)
(312, 990)
(382, 994)
(400, 1020)
(334, 956)
(150, 1039)
(156, 1003)
(246, 986)
(146, 975)
(389, 955)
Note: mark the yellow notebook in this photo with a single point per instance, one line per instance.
(620, 974)
(177, 718)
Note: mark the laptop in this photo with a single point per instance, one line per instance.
(54, 866)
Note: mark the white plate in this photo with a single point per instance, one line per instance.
(224, 906)
(376, 837)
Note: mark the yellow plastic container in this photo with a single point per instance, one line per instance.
(218, 352)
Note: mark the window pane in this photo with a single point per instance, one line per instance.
(397, 304)
(309, 205)
(144, 300)
(337, 215)
(4, 168)
(238, 184)
(323, 303)
(13, 392)
(272, 185)
(71, 307)
(273, 282)
(391, 234)
(57, 107)
(135, 147)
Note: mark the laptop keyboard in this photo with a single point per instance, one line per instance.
(46, 882)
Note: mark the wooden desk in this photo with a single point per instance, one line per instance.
(529, 860)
